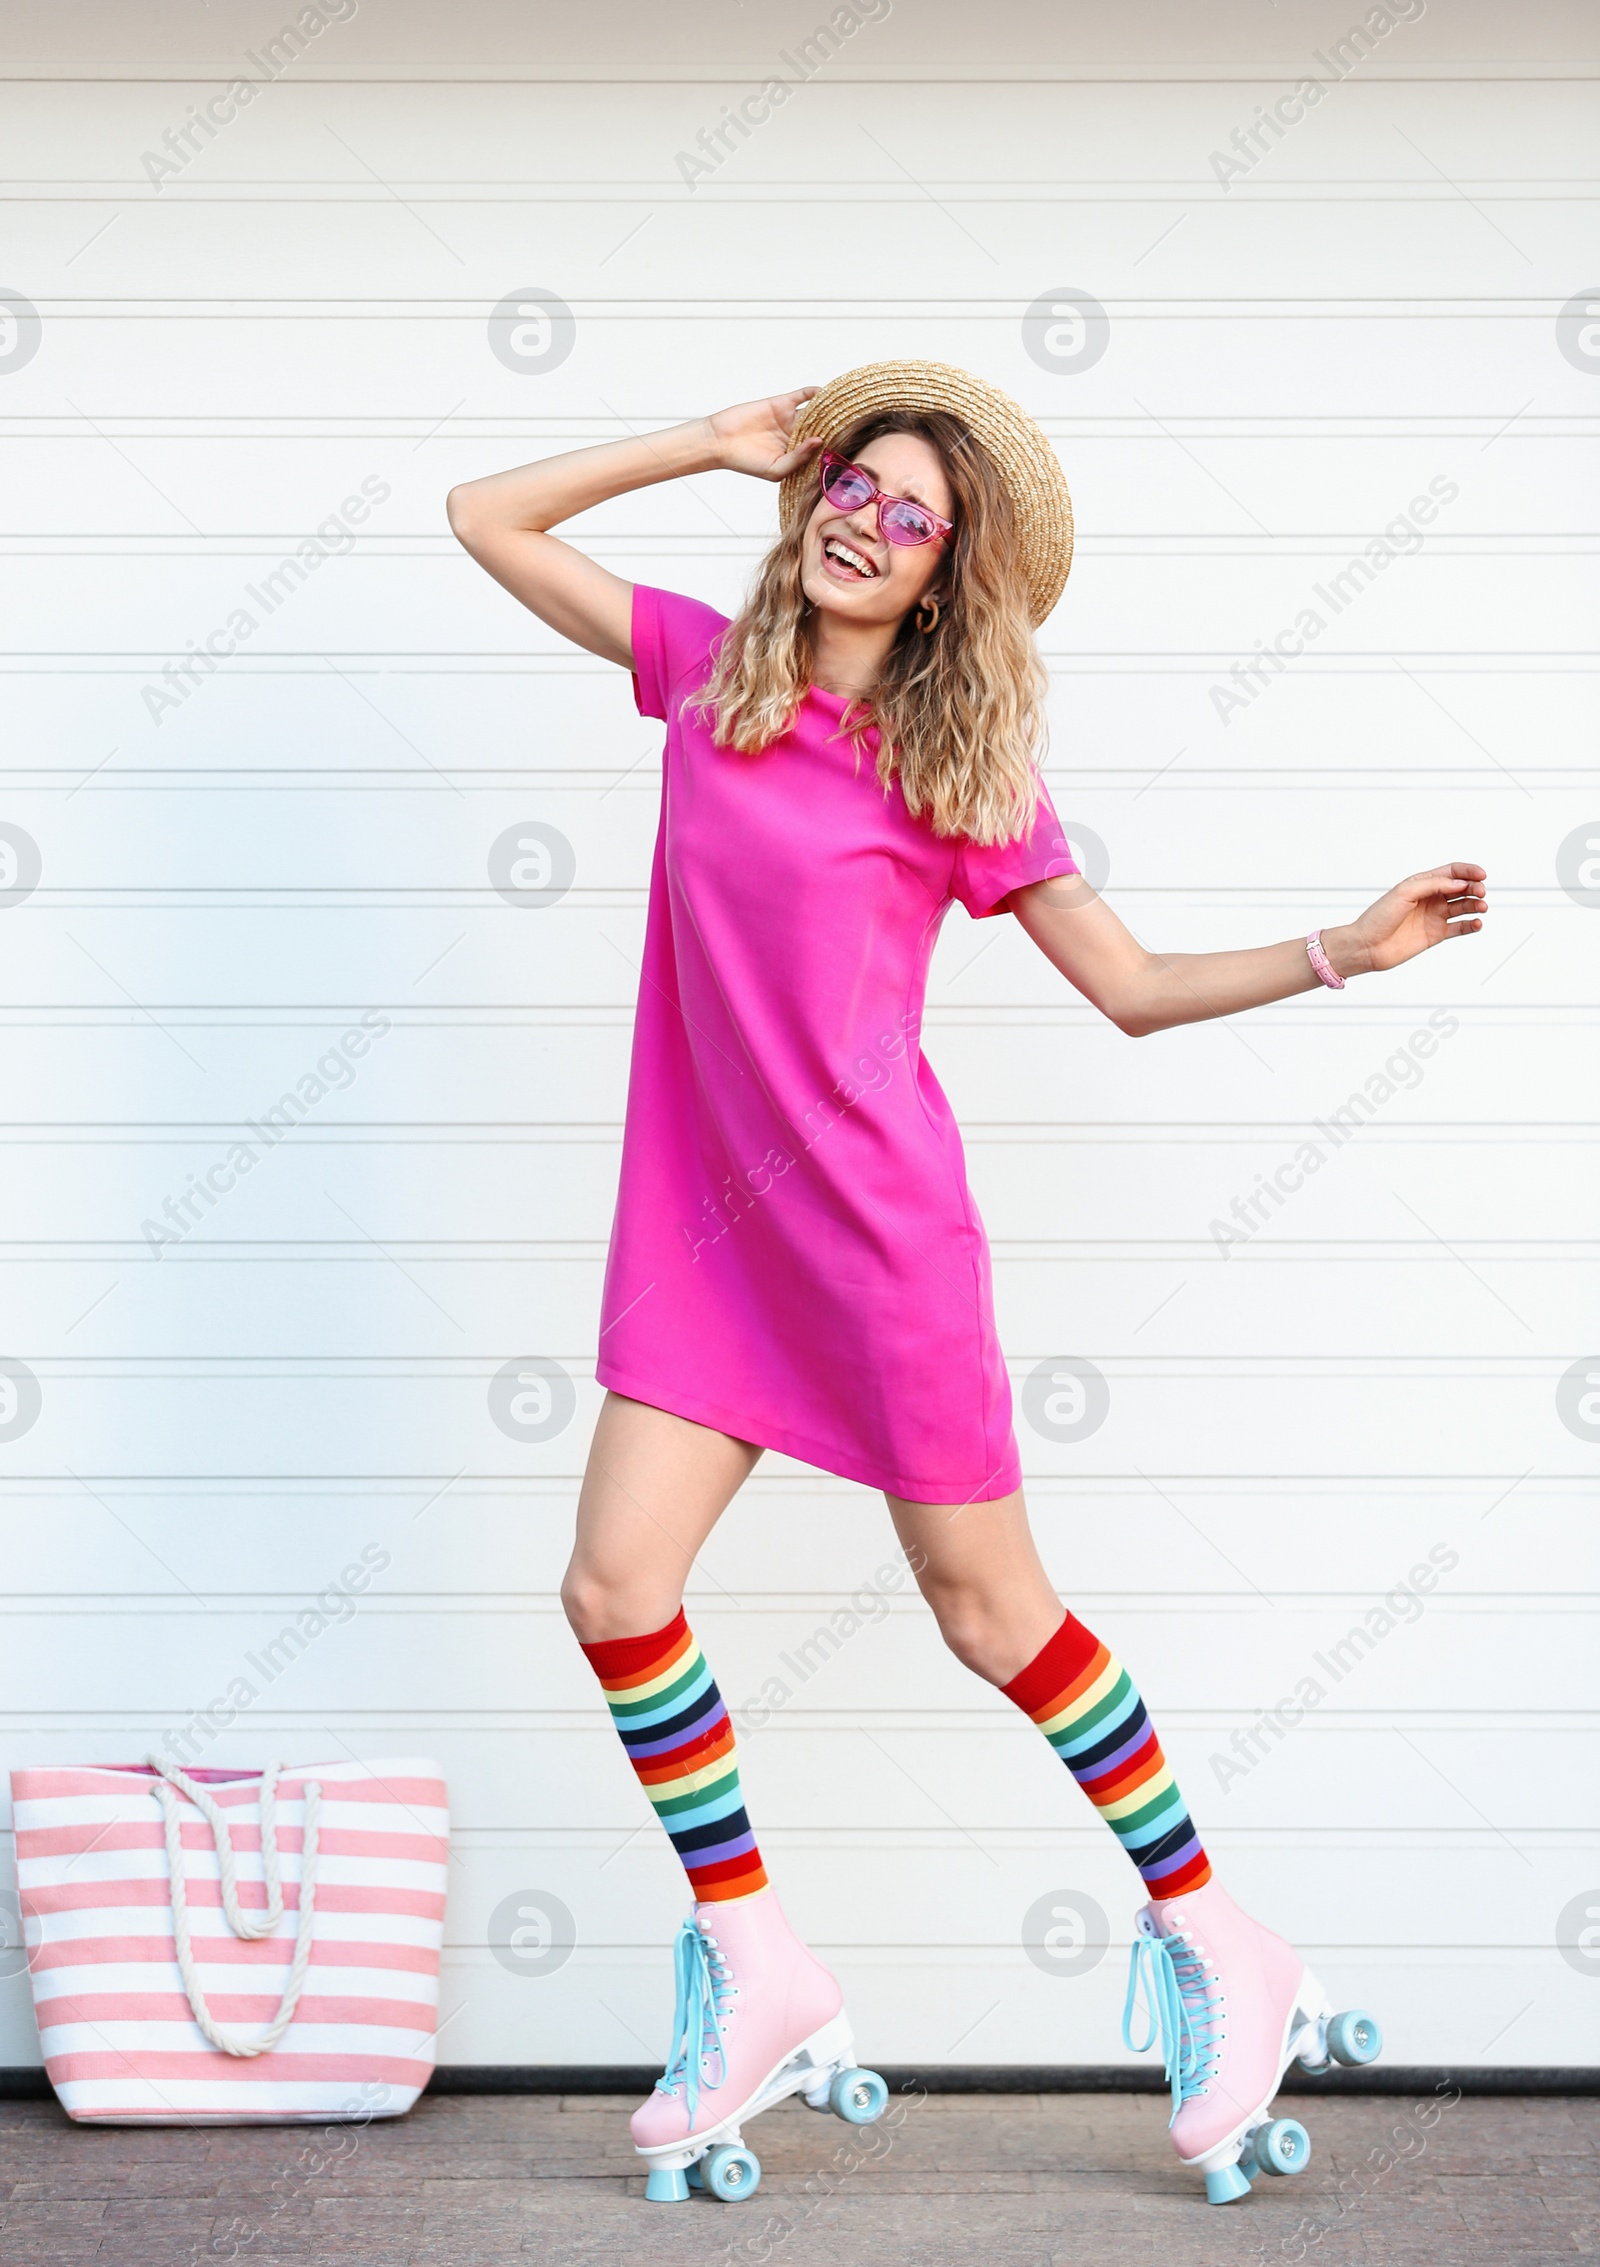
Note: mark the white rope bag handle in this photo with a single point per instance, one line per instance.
(242, 1924)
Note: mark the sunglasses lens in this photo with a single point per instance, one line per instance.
(905, 523)
(844, 486)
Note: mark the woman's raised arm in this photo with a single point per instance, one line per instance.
(1145, 991)
(505, 519)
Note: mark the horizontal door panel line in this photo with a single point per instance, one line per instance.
(799, 1606)
(1309, 779)
(143, 545)
(1180, 72)
(441, 1368)
(562, 1133)
(466, 897)
(518, 1015)
(1041, 191)
(583, 1723)
(1237, 1492)
(561, 1482)
(1021, 1839)
(572, 426)
(1468, 661)
(1008, 1251)
(799, 308)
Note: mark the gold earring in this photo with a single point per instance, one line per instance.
(932, 623)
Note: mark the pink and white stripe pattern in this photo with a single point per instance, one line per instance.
(120, 2042)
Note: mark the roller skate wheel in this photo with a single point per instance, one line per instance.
(1313, 2068)
(664, 2185)
(1226, 2185)
(1281, 2146)
(695, 2177)
(1354, 2037)
(860, 2097)
(732, 2172)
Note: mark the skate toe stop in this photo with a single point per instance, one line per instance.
(664, 2187)
(1226, 2185)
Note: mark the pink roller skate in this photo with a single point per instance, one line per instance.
(1234, 2006)
(757, 2018)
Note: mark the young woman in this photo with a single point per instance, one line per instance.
(796, 1261)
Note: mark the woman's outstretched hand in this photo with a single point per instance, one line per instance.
(758, 436)
(1447, 901)
(1145, 991)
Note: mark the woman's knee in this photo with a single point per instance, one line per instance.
(602, 1603)
(995, 1635)
(583, 1601)
(971, 1631)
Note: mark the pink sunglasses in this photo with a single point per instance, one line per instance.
(849, 489)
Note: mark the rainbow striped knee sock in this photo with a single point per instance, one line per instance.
(669, 1715)
(1088, 1708)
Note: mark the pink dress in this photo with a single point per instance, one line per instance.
(796, 1258)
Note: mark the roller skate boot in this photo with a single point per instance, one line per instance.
(757, 2018)
(1233, 2006)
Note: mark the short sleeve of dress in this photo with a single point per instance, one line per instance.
(672, 641)
(985, 875)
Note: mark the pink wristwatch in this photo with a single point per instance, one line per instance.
(1320, 962)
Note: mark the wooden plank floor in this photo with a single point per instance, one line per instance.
(947, 2181)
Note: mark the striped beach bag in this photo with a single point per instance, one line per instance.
(234, 1947)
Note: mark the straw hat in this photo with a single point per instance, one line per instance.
(1023, 457)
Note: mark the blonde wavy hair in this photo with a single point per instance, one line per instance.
(960, 711)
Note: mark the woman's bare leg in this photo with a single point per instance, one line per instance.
(979, 1568)
(998, 1612)
(654, 1488)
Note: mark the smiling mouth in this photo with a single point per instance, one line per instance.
(855, 565)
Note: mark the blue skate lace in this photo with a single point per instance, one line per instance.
(704, 1989)
(1181, 2002)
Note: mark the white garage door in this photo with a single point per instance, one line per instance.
(1295, 1307)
